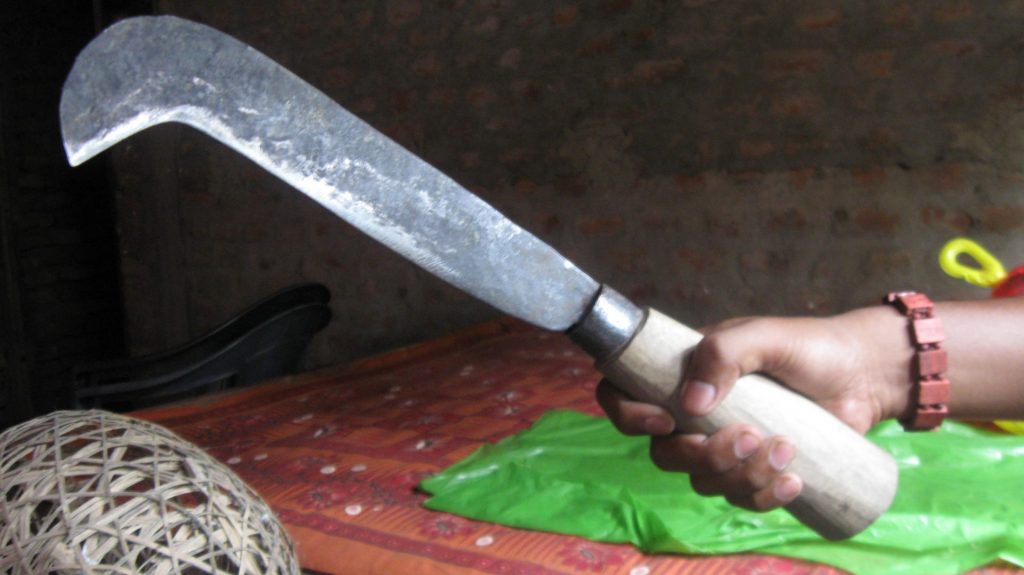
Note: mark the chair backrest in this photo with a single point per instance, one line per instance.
(267, 340)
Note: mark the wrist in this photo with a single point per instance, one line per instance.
(879, 336)
(930, 394)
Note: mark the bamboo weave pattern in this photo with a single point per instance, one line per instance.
(95, 492)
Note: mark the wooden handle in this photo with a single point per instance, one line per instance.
(848, 481)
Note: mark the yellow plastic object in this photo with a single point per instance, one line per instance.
(1014, 427)
(989, 273)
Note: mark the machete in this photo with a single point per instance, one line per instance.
(149, 70)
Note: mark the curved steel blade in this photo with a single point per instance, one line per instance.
(145, 71)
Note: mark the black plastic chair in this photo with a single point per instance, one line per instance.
(267, 340)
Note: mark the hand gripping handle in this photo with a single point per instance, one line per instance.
(848, 482)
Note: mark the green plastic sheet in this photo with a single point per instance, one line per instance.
(959, 504)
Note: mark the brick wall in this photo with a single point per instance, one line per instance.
(709, 158)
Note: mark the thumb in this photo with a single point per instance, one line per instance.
(728, 351)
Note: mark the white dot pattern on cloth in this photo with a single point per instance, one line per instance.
(485, 541)
(359, 468)
(640, 570)
(354, 510)
(328, 469)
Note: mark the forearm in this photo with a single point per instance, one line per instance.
(985, 346)
(985, 343)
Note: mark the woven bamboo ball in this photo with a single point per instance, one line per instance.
(96, 492)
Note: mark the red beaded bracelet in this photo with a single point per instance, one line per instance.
(931, 388)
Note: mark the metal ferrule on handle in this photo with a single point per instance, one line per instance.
(608, 326)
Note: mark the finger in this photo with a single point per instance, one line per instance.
(709, 373)
(633, 417)
(680, 452)
(758, 472)
(782, 491)
(728, 351)
(706, 455)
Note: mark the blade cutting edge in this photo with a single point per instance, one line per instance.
(151, 70)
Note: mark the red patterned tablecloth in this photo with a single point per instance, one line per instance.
(338, 454)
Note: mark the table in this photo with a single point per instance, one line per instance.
(338, 453)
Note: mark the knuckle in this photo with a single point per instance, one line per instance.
(721, 459)
(759, 471)
(617, 422)
(677, 453)
(759, 478)
(743, 501)
(706, 485)
(763, 501)
(712, 349)
(627, 425)
(661, 456)
(722, 449)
